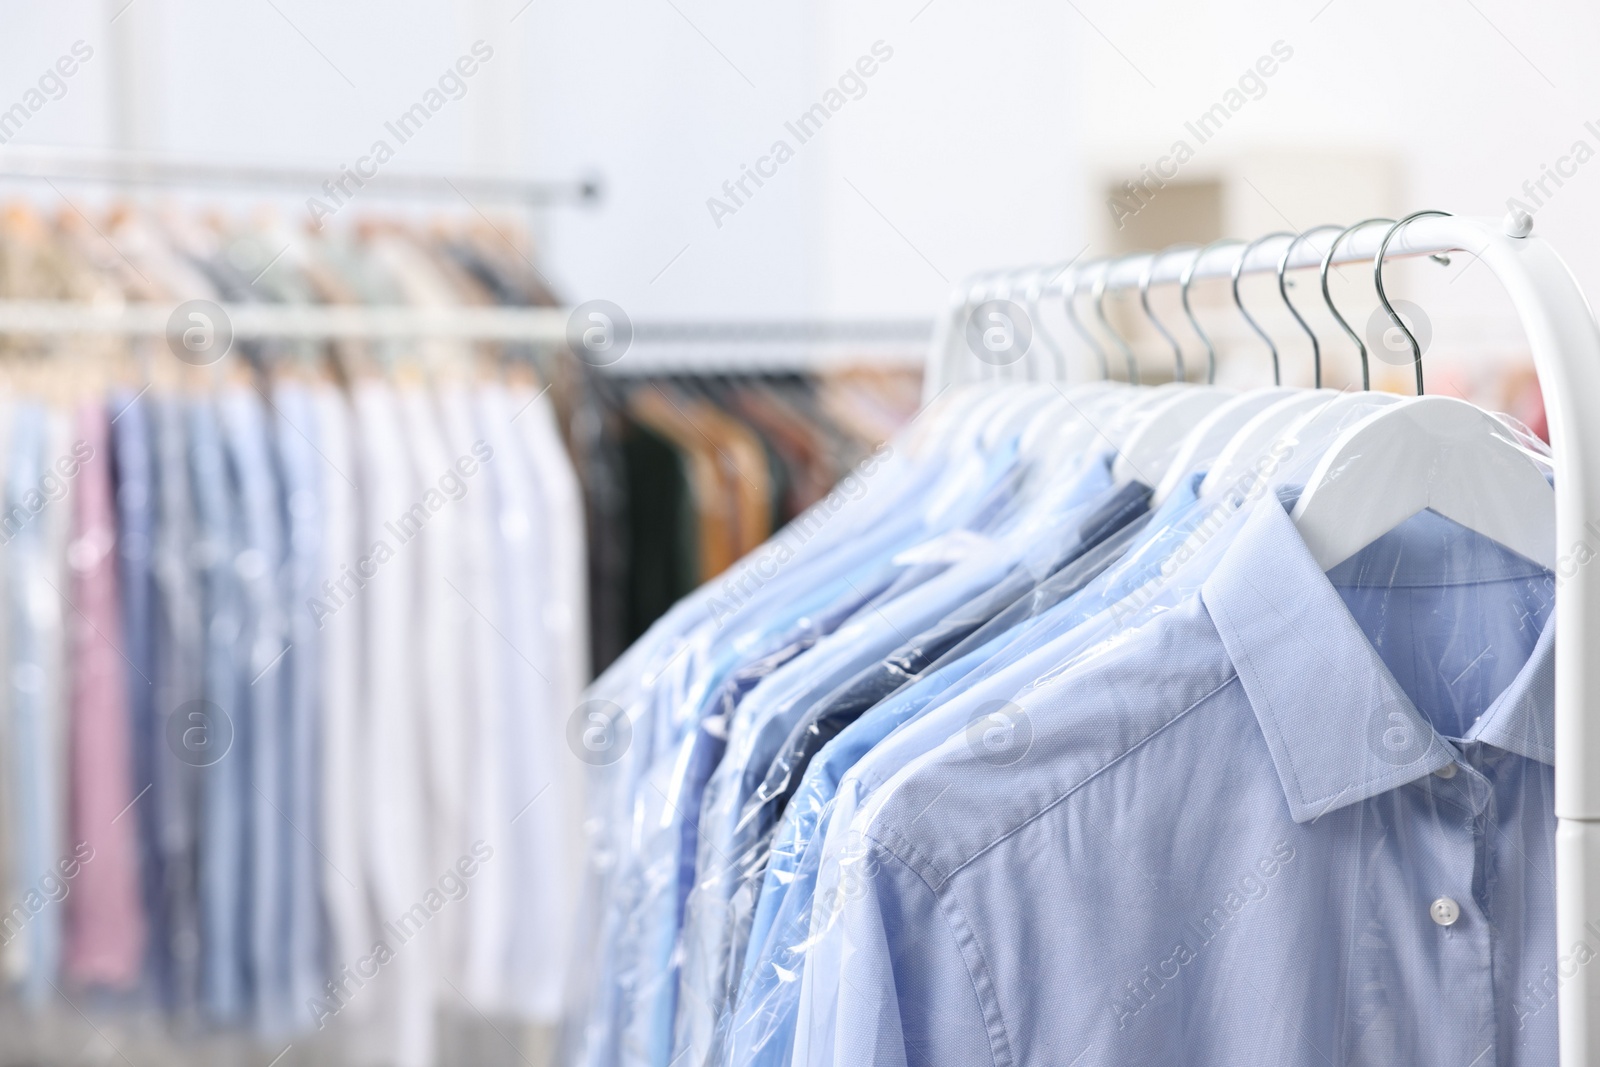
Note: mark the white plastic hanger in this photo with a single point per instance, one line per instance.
(978, 412)
(1068, 424)
(1031, 402)
(1062, 428)
(1435, 453)
(1151, 448)
(1076, 415)
(1289, 421)
(1238, 457)
(1259, 434)
(1299, 411)
(1212, 434)
(1167, 421)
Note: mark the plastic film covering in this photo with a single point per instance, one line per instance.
(1000, 542)
(1009, 710)
(650, 705)
(1354, 763)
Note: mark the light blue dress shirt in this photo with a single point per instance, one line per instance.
(259, 567)
(673, 763)
(917, 719)
(136, 532)
(733, 847)
(1296, 819)
(37, 886)
(224, 836)
(667, 682)
(762, 1028)
(836, 564)
(183, 673)
(303, 469)
(664, 683)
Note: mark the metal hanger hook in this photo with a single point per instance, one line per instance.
(1178, 371)
(1327, 297)
(960, 309)
(1019, 286)
(1283, 291)
(976, 291)
(1070, 307)
(1188, 277)
(1100, 313)
(993, 285)
(1238, 270)
(1033, 293)
(1377, 276)
(1045, 282)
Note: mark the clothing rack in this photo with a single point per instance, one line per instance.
(1564, 339)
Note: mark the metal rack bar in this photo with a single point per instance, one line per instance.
(659, 347)
(287, 321)
(813, 331)
(1423, 237)
(493, 323)
(117, 168)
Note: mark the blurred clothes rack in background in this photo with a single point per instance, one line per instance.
(291, 633)
(688, 473)
(294, 638)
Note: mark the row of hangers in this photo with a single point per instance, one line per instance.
(1398, 456)
(1034, 289)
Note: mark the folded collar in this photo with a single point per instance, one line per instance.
(1338, 725)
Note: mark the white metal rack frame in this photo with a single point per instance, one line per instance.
(1564, 339)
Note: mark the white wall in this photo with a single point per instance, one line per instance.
(960, 152)
(927, 176)
(655, 97)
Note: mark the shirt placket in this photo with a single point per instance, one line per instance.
(1460, 909)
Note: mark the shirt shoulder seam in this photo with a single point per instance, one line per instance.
(1058, 801)
(971, 955)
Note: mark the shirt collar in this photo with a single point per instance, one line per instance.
(1338, 725)
(1522, 718)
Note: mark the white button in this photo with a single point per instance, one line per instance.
(1447, 771)
(1444, 911)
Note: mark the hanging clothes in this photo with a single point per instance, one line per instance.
(994, 759)
(290, 644)
(685, 476)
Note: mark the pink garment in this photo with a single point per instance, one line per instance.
(105, 928)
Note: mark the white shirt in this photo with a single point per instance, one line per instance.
(441, 618)
(339, 609)
(488, 905)
(565, 626)
(396, 840)
(533, 820)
